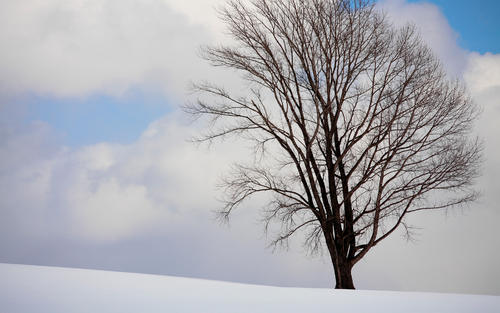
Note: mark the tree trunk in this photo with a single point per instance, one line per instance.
(341, 266)
(344, 272)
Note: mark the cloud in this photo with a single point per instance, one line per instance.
(112, 210)
(483, 79)
(79, 47)
(483, 71)
(200, 13)
(433, 27)
(109, 191)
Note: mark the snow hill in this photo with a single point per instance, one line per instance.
(28, 288)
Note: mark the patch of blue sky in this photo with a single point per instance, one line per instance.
(476, 22)
(100, 117)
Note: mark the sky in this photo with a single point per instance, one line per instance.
(96, 170)
(476, 24)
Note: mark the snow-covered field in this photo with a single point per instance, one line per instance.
(27, 288)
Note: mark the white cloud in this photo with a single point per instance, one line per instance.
(79, 47)
(113, 211)
(200, 12)
(434, 29)
(483, 71)
(483, 79)
(108, 191)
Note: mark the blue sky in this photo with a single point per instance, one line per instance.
(477, 23)
(100, 117)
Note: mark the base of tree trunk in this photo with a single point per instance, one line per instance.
(345, 281)
(345, 286)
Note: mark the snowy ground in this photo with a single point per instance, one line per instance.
(27, 288)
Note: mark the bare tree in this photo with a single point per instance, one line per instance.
(355, 120)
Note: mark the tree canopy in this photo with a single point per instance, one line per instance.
(355, 121)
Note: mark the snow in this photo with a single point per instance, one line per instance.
(28, 288)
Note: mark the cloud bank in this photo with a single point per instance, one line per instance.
(74, 48)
